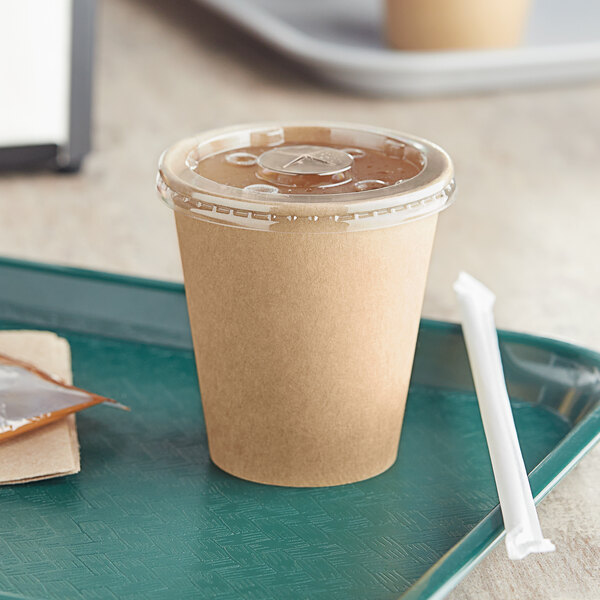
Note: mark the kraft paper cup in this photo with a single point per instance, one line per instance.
(304, 309)
(455, 24)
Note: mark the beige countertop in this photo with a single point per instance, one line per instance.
(525, 220)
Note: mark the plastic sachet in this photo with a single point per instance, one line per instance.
(31, 398)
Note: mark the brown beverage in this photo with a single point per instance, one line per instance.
(305, 251)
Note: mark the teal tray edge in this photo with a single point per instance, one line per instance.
(476, 545)
(177, 288)
(446, 573)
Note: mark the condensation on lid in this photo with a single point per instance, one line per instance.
(303, 177)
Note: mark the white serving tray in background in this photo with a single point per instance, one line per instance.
(341, 41)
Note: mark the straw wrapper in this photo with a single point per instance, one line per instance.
(523, 531)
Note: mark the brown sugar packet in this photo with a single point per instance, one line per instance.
(51, 450)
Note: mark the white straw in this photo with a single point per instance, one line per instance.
(523, 531)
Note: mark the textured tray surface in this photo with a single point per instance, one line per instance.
(149, 516)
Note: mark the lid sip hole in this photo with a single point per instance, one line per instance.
(354, 152)
(369, 184)
(241, 159)
(262, 188)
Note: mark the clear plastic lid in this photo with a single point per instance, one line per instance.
(315, 177)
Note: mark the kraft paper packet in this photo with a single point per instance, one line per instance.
(52, 450)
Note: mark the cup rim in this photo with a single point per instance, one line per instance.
(185, 191)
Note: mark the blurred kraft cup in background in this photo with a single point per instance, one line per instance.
(455, 24)
(305, 250)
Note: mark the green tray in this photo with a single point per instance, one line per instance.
(149, 516)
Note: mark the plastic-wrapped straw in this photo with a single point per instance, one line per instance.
(523, 531)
